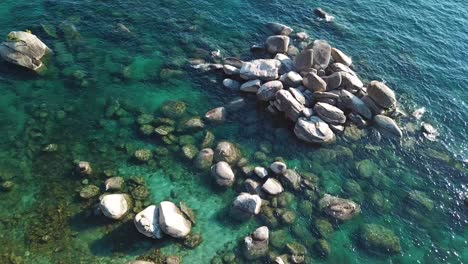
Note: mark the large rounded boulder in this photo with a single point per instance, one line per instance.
(147, 222)
(381, 94)
(227, 151)
(115, 206)
(172, 221)
(223, 174)
(329, 113)
(314, 130)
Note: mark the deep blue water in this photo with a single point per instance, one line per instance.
(418, 48)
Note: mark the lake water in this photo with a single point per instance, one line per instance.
(101, 78)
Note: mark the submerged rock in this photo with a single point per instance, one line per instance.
(217, 114)
(339, 208)
(263, 69)
(115, 206)
(204, 159)
(429, 132)
(84, 168)
(256, 245)
(174, 109)
(24, 49)
(114, 183)
(223, 174)
(314, 130)
(379, 239)
(278, 167)
(147, 222)
(172, 221)
(291, 179)
(89, 191)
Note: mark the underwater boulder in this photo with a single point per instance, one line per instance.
(115, 206)
(256, 245)
(172, 221)
(204, 159)
(24, 49)
(217, 114)
(114, 183)
(379, 239)
(147, 222)
(174, 109)
(89, 191)
(338, 208)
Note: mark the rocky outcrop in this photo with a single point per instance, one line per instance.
(115, 206)
(387, 124)
(172, 221)
(338, 208)
(314, 130)
(147, 222)
(223, 174)
(256, 245)
(263, 69)
(24, 49)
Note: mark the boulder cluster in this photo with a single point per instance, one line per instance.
(313, 86)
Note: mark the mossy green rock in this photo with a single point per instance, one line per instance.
(419, 200)
(174, 109)
(279, 239)
(89, 191)
(367, 168)
(306, 208)
(379, 239)
(323, 228)
(323, 248)
(189, 151)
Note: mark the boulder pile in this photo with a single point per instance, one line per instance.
(313, 86)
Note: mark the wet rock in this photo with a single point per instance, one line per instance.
(231, 84)
(287, 64)
(261, 172)
(339, 208)
(87, 192)
(341, 57)
(322, 54)
(204, 159)
(223, 174)
(381, 94)
(227, 151)
(357, 119)
(323, 15)
(304, 60)
(291, 79)
(174, 109)
(376, 110)
(418, 113)
(429, 132)
(268, 90)
(388, 125)
(256, 245)
(291, 179)
(314, 130)
(287, 217)
(379, 239)
(301, 36)
(147, 222)
(314, 83)
(286, 102)
(251, 86)
(340, 67)
(172, 221)
(114, 183)
(246, 205)
(329, 113)
(272, 187)
(262, 69)
(354, 133)
(193, 240)
(208, 140)
(279, 29)
(277, 44)
(333, 81)
(24, 49)
(115, 206)
(140, 193)
(217, 114)
(251, 186)
(84, 168)
(355, 104)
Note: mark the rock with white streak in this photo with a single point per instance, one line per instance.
(172, 221)
(147, 222)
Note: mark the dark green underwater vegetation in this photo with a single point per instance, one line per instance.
(120, 93)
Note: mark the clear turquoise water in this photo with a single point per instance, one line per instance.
(418, 48)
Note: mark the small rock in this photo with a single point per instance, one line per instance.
(339, 208)
(291, 79)
(314, 83)
(388, 125)
(246, 205)
(231, 84)
(329, 113)
(256, 245)
(87, 192)
(216, 114)
(115, 206)
(114, 183)
(278, 167)
(261, 172)
(314, 130)
(356, 105)
(381, 94)
(227, 151)
(230, 70)
(204, 159)
(279, 29)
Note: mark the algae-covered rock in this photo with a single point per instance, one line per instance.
(143, 155)
(279, 238)
(323, 248)
(339, 208)
(379, 239)
(323, 228)
(189, 151)
(114, 183)
(306, 208)
(174, 109)
(367, 168)
(419, 201)
(89, 191)
(140, 192)
(204, 159)
(193, 240)
(256, 245)
(297, 251)
(228, 152)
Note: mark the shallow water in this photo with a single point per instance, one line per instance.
(414, 47)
